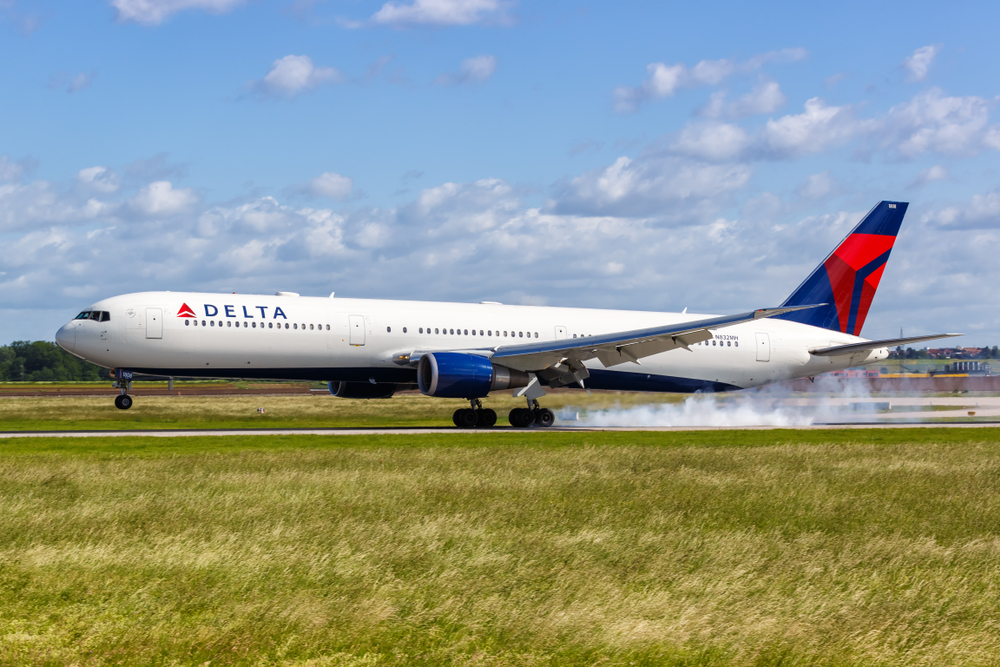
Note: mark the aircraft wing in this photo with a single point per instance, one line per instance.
(566, 356)
(875, 344)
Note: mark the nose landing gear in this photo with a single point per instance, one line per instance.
(123, 401)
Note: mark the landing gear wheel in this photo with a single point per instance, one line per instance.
(486, 418)
(123, 401)
(521, 417)
(544, 417)
(465, 418)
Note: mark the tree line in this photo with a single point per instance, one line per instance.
(42, 361)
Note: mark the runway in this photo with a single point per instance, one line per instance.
(182, 433)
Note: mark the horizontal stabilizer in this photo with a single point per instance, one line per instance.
(875, 344)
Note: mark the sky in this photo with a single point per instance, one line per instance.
(633, 155)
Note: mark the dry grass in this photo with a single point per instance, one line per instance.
(350, 553)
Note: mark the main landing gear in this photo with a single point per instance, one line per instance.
(475, 417)
(479, 417)
(537, 415)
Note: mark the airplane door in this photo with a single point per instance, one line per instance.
(356, 324)
(154, 323)
(560, 333)
(763, 347)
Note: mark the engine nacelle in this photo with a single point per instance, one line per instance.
(362, 389)
(459, 375)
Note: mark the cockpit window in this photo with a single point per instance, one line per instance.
(96, 315)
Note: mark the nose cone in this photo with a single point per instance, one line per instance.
(66, 337)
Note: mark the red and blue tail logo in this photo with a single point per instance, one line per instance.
(846, 281)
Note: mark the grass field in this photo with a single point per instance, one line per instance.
(315, 410)
(719, 548)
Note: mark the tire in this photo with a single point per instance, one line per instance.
(544, 418)
(521, 417)
(465, 418)
(123, 402)
(486, 418)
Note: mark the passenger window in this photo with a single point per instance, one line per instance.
(504, 334)
(187, 323)
(737, 343)
(270, 325)
(253, 324)
(466, 332)
(520, 334)
(203, 323)
(310, 327)
(404, 328)
(229, 324)
(489, 332)
(452, 332)
(388, 329)
(480, 332)
(729, 343)
(536, 334)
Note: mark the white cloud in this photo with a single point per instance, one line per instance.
(100, 179)
(712, 141)
(648, 185)
(935, 173)
(473, 70)
(919, 64)
(815, 129)
(153, 12)
(293, 74)
(161, 199)
(982, 212)
(932, 121)
(9, 171)
(332, 185)
(664, 80)
(766, 97)
(816, 186)
(443, 12)
(641, 233)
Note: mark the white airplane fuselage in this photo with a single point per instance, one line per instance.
(368, 340)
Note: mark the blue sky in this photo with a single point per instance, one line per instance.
(633, 155)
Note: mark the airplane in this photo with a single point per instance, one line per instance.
(368, 348)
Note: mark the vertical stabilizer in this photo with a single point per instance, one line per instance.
(847, 279)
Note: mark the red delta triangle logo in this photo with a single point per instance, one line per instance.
(185, 311)
(854, 270)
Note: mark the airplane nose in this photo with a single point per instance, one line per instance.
(66, 337)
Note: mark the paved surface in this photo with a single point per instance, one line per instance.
(425, 431)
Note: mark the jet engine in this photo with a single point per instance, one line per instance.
(459, 375)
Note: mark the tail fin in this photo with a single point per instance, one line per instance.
(847, 279)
